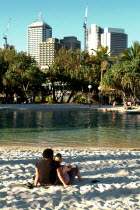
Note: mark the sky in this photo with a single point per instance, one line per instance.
(66, 18)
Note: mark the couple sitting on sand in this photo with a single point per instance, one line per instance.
(49, 171)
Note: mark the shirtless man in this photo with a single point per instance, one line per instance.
(46, 169)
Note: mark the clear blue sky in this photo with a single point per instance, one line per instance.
(66, 18)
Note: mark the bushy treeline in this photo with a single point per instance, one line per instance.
(73, 70)
(19, 74)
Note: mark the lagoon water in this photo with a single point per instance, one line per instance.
(72, 128)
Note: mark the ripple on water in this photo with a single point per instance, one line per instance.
(69, 128)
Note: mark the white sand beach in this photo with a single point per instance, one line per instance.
(117, 170)
(118, 173)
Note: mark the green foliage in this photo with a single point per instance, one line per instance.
(76, 69)
(104, 58)
(3, 68)
(131, 53)
(38, 99)
(124, 76)
(66, 66)
(19, 72)
(49, 99)
(79, 99)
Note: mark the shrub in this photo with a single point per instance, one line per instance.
(79, 99)
(38, 99)
(49, 99)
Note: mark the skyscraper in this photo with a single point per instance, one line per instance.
(38, 32)
(48, 51)
(93, 38)
(71, 42)
(115, 39)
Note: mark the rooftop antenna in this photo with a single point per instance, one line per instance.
(40, 17)
(85, 27)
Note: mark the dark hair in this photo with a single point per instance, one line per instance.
(48, 153)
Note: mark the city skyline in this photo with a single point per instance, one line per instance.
(66, 18)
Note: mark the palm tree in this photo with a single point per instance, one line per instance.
(132, 53)
(103, 55)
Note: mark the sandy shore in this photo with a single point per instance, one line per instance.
(118, 108)
(117, 170)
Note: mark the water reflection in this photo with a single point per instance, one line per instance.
(70, 128)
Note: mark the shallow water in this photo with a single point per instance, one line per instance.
(76, 128)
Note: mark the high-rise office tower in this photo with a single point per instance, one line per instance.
(48, 51)
(38, 32)
(115, 39)
(71, 42)
(93, 38)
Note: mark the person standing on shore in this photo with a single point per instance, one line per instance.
(114, 104)
(15, 98)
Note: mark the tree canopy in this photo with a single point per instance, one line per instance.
(73, 71)
(125, 77)
(131, 53)
(19, 73)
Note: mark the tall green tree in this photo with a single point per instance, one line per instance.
(7, 57)
(124, 77)
(66, 69)
(3, 68)
(22, 75)
(90, 67)
(31, 80)
(76, 69)
(103, 56)
(131, 53)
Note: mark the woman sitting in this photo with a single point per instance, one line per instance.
(66, 173)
